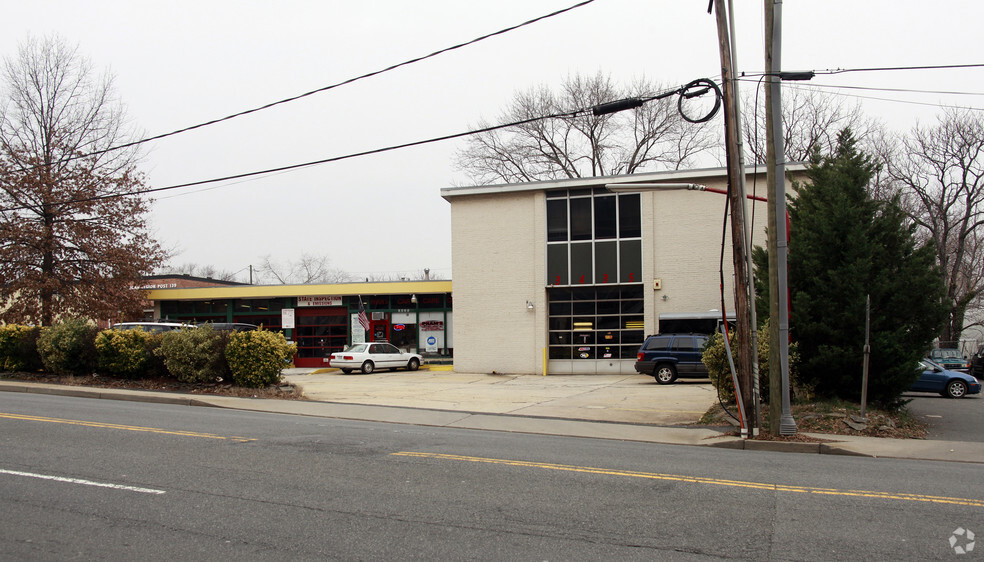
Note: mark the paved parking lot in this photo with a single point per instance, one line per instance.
(949, 419)
(613, 398)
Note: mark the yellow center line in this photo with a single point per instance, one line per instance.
(123, 427)
(703, 480)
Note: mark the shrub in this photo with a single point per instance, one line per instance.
(19, 348)
(257, 357)
(125, 353)
(716, 361)
(68, 348)
(715, 358)
(195, 355)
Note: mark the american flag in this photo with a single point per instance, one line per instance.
(363, 319)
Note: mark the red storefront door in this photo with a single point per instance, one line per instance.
(319, 331)
(379, 330)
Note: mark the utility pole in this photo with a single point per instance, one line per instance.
(736, 198)
(781, 420)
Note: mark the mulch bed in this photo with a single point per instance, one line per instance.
(159, 384)
(833, 419)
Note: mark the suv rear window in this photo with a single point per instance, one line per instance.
(683, 343)
(658, 343)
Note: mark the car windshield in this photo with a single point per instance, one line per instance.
(947, 354)
(356, 348)
(927, 364)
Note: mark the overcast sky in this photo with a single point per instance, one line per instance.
(180, 63)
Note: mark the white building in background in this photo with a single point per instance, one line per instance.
(567, 277)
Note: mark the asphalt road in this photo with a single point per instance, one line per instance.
(949, 419)
(97, 479)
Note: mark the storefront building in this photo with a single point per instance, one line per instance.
(413, 315)
(568, 277)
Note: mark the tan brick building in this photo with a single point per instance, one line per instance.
(569, 277)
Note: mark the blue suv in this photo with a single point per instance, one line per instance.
(668, 356)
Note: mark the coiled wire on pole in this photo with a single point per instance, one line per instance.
(693, 89)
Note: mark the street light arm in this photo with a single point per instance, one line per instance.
(635, 187)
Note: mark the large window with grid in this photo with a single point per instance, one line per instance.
(595, 322)
(594, 237)
(594, 274)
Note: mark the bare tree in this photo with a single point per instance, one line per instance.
(199, 270)
(308, 269)
(424, 274)
(811, 120)
(71, 241)
(940, 174)
(653, 136)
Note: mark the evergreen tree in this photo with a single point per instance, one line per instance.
(845, 246)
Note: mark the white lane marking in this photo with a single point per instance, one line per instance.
(84, 482)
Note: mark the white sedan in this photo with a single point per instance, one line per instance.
(371, 356)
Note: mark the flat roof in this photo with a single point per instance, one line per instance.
(570, 183)
(275, 291)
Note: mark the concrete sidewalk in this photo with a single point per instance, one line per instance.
(625, 407)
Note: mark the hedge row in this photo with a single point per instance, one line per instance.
(201, 355)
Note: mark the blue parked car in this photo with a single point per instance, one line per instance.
(935, 378)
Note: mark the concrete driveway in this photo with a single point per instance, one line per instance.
(633, 399)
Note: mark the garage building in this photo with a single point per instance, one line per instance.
(567, 277)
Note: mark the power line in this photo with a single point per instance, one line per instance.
(663, 95)
(875, 69)
(884, 68)
(305, 164)
(827, 88)
(692, 89)
(830, 90)
(874, 89)
(332, 86)
(901, 90)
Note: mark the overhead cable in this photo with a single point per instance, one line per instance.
(883, 68)
(832, 91)
(681, 91)
(880, 89)
(869, 69)
(333, 86)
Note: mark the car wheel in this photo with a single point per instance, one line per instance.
(413, 365)
(368, 367)
(346, 371)
(665, 374)
(956, 389)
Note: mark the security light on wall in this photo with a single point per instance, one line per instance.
(529, 305)
(413, 299)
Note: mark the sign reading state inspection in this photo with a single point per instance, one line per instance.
(319, 301)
